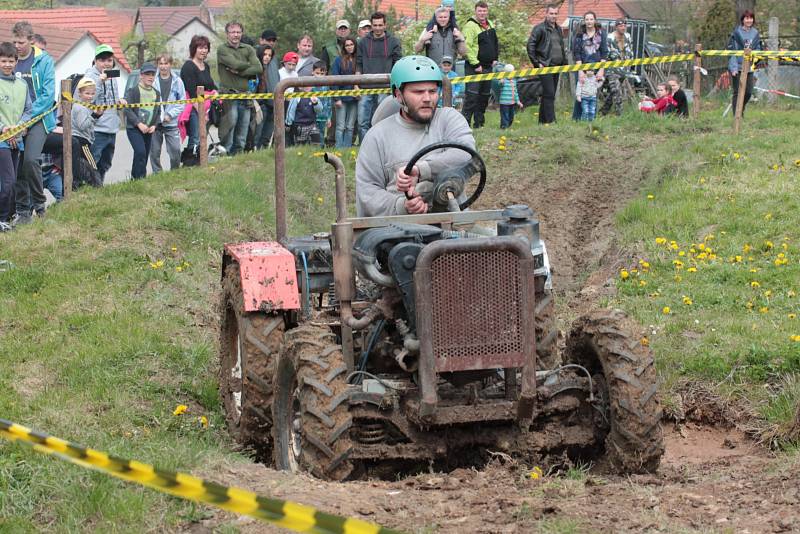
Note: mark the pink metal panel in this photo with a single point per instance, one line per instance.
(269, 277)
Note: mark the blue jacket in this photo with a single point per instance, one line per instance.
(327, 105)
(43, 73)
(587, 50)
(739, 40)
(176, 92)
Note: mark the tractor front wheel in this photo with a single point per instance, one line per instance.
(249, 345)
(311, 408)
(608, 344)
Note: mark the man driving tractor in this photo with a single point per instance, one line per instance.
(382, 186)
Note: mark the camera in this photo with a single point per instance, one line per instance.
(111, 73)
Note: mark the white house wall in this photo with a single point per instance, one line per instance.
(179, 42)
(78, 60)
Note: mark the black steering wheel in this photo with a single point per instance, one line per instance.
(477, 163)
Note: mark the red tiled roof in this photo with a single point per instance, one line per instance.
(59, 40)
(169, 19)
(408, 8)
(218, 4)
(122, 19)
(93, 19)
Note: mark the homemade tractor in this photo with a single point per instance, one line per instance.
(396, 342)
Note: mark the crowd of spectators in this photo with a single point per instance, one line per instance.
(28, 161)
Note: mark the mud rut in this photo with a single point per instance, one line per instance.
(710, 479)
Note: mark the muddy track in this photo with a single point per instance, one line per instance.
(710, 479)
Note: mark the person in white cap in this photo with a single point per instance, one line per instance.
(364, 27)
(333, 48)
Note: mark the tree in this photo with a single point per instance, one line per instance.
(144, 48)
(289, 20)
(358, 10)
(26, 4)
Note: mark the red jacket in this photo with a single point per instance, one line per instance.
(662, 105)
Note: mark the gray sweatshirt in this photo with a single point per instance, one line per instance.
(390, 144)
(107, 93)
(82, 122)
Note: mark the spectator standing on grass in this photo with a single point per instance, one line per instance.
(589, 46)
(546, 49)
(141, 121)
(267, 80)
(620, 47)
(325, 114)
(107, 126)
(195, 73)
(333, 48)
(509, 99)
(586, 95)
(482, 53)
(170, 88)
(745, 35)
(237, 64)
(305, 56)
(346, 106)
(442, 39)
(681, 102)
(15, 108)
(83, 127)
(377, 53)
(301, 118)
(36, 68)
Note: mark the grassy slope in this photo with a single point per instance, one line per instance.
(99, 341)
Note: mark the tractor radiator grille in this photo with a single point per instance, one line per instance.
(477, 310)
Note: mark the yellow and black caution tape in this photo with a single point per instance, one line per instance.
(285, 514)
(520, 73)
(16, 130)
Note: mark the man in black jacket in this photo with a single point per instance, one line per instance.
(546, 49)
(482, 53)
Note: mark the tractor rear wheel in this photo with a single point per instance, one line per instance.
(608, 344)
(249, 345)
(311, 409)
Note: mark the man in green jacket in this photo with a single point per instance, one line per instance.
(237, 64)
(482, 54)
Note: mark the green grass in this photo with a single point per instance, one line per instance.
(108, 320)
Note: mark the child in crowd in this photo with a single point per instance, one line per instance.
(301, 118)
(457, 88)
(450, 5)
(289, 69)
(509, 99)
(142, 120)
(323, 116)
(681, 102)
(586, 94)
(15, 108)
(663, 104)
(83, 125)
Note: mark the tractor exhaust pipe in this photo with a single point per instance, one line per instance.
(341, 191)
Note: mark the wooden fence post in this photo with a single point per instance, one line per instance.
(697, 82)
(201, 116)
(737, 119)
(66, 137)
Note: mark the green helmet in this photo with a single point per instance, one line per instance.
(410, 69)
(102, 49)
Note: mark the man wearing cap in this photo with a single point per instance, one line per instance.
(333, 48)
(107, 126)
(382, 186)
(268, 37)
(620, 46)
(237, 64)
(364, 27)
(141, 121)
(36, 68)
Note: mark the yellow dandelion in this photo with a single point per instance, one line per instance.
(749, 305)
(763, 309)
(642, 283)
(769, 245)
(686, 300)
(660, 241)
(665, 310)
(738, 259)
(681, 253)
(768, 293)
(157, 264)
(792, 316)
(702, 180)
(795, 338)
(645, 342)
(785, 246)
(797, 163)
(651, 197)
(736, 155)
(691, 270)
(746, 248)
(624, 274)
(536, 473)
(678, 278)
(644, 265)
(755, 285)
(791, 294)
(180, 409)
(174, 248)
(320, 200)
(178, 268)
(678, 264)
(768, 216)
(203, 420)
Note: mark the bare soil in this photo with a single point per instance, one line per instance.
(711, 479)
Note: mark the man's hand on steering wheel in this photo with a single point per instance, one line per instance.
(407, 182)
(415, 204)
